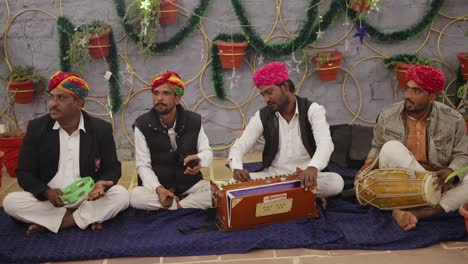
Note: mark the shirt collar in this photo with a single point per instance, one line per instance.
(296, 111)
(80, 125)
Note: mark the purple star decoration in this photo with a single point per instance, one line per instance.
(361, 33)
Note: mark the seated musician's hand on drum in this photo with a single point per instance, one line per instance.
(309, 178)
(441, 175)
(241, 175)
(99, 190)
(53, 195)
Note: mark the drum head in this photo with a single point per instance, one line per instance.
(431, 195)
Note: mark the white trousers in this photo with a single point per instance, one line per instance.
(198, 196)
(25, 207)
(395, 155)
(328, 183)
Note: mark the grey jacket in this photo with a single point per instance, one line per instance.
(447, 141)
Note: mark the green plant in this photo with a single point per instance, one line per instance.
(78, 53)
(26, 73)
(323, 56)
(143, 17)
(393, 61)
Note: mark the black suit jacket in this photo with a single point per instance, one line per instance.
(40, 151)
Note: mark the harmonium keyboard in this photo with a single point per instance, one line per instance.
(264, 201)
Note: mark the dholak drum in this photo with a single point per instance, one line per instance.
(397, 188)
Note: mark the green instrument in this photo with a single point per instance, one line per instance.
(77, 190)
(455, 173)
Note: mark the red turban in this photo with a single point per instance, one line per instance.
(428, 78)
(271, 74)
(70, 83)
(172, 79)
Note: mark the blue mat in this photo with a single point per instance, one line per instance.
(344, 225)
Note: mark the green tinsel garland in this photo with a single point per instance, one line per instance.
(218, 74)
(175, 40)
(406, 33)
(281, 50)
(65, 30)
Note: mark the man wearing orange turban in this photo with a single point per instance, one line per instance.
(423, 135)
(170, 148)
(58, 149)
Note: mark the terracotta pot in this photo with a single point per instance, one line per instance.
(10, 147)
(464, 212)
(328, 71)
(23, 92)
(400, 70)
(463, 58)
(99, 44)
(231, 53)
(169, 10)
(360, 5)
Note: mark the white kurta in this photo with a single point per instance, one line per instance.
(291, 151)
(25, 207)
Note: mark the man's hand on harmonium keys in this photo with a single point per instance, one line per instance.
(309, 179)
(241, 175)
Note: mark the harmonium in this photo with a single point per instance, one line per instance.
(264, 201)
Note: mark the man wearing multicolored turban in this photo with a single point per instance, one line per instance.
(423, 135)
(296, 135)
(170, 148)
(59, 149)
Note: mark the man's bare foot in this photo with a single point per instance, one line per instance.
(406, 220)
(35, 228)
(96, 226)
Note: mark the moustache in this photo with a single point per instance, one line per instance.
(163, 104)
(409, 101)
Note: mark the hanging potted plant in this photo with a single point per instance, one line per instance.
(89, 41)
(463, 58)
(231, 50)
(22, 82)
(143, 18)
(361, 6)
(402, 62)
(328, 64)
(168, 10)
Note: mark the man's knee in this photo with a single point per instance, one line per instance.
(137, 197)
(120, 194)
(11, 201)
(392, 148)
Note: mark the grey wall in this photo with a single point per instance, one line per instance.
(32, 39)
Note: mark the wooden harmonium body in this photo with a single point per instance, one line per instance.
(260, 202)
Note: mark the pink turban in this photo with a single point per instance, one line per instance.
(271, 74)
(428, 78)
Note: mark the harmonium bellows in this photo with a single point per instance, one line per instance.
(260, 202)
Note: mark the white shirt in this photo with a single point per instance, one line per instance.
(291, 151)
(69, 161)
(143, 156)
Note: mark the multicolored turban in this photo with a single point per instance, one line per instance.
(70, 83)
(428, 78)
(271, 74)
(172, 79)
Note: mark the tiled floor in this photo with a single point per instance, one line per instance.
(444, 252)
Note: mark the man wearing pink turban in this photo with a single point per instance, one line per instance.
(296, 135)
(423, 135)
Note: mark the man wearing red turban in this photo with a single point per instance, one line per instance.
(58, 149)
(296, 135)
(170, 148)
(423, 135)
